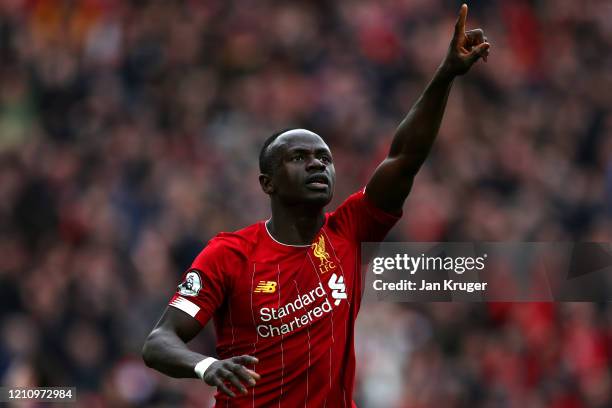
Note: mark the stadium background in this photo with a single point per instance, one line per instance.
(129, 132)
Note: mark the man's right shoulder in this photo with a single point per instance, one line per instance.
(241, 242)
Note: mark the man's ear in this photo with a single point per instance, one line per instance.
(265, 181)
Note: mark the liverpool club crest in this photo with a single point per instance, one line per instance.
(318, 249)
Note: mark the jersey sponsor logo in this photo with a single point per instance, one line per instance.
(318, 249)
(336, 284)
(295, 314)
(303, 310)
(265, 287)
(191, 285)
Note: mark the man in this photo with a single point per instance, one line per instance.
(285, 293)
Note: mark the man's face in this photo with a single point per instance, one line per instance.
(303, 170)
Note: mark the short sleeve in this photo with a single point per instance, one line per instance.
(360, 220)
(205, 285)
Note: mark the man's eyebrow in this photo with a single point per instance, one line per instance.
(301, 149)
(297, 149)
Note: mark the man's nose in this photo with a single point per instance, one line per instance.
(315, 163)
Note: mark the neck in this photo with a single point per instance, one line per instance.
(295, 225)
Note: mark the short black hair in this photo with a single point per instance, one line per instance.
(266, 158)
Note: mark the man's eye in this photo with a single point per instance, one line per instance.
(326, 159)
(297, 157)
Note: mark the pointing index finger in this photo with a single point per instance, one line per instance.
(460, 25)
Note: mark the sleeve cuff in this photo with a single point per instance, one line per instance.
(185, 305)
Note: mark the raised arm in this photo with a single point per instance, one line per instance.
(166, 351)
(392, 180)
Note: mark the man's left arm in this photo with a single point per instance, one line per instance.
(392, 180)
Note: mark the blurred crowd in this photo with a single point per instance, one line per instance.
(129, 134)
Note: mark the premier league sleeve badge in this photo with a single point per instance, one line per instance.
(191, 285)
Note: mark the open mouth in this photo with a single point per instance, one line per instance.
(317, 181)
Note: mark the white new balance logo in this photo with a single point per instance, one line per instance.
(336, 284)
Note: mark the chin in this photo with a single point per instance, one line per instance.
(307, 197)
(319, 199)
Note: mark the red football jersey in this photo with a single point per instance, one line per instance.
(292, 307)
